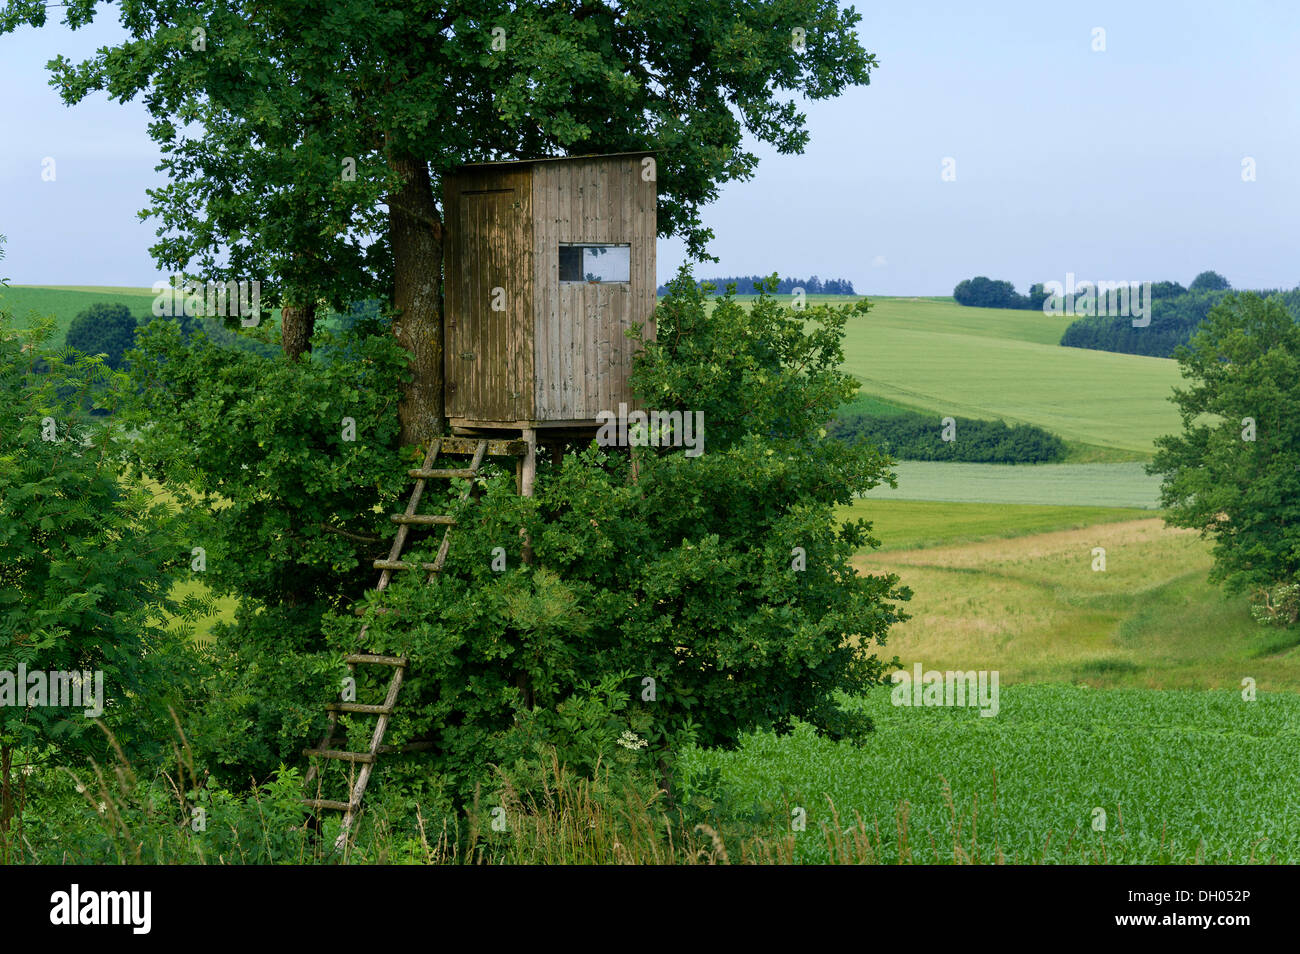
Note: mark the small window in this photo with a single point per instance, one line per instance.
(595, 264)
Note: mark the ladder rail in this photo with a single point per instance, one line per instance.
(367, 760)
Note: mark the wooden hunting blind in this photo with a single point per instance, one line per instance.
(548, 263)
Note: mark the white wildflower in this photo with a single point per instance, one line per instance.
(629, 740)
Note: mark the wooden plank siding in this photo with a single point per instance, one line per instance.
(489, 215)
(559, 352)
(583, 358)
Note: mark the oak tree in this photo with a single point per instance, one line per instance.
(305, 143)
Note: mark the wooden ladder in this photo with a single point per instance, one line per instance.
(481, 448)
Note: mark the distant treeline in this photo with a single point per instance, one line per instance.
(981, 292)
(1176, 313)
(811, 286)
(1174, 319)
(916, 436)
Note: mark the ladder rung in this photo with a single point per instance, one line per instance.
(359, 707)
(340, 755)
(403, 565)
(326, 803)
(425, 519)
(495, 448)
(374, 660)
(441, 472)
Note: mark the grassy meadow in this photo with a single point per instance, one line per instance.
(995, 363)
(1030, 604)
(915, 524)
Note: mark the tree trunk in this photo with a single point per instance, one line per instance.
(6, 790)
(297, 322)
(415, 233)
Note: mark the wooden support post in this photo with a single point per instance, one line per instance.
(527, 478)
(529, 473)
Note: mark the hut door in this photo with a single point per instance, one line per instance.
(486, 333)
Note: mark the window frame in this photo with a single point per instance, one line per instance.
(587, 245)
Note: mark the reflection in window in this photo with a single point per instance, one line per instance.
(595, 263)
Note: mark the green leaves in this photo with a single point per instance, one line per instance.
(87, 556)
(1234, 472)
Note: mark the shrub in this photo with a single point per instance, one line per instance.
(88, 558)
(660, 609)
(915, 436)
(103, 329)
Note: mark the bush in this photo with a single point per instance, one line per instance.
(915, 436)
(1278, 605)
(88, 560)
(104, 329)
(657, 610)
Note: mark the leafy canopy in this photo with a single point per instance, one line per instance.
(263, 111)
(103, 329)
(1234, 471)
(88, 557)
(685, 575)
(702, 599)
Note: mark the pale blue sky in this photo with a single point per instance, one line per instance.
(1115, 165)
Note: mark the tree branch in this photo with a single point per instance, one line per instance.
(359, 537)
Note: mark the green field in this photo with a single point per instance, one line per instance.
(908, 524)
(994, 363)
(65, 303)
(1182, 777)
(1093, 485)
(1033, 607)
(931, 354)
(1120, 689)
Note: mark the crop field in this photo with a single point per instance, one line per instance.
(1182, 777)
(1094, 485)
(64, 303)
(1120, 692)
(912, 524)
